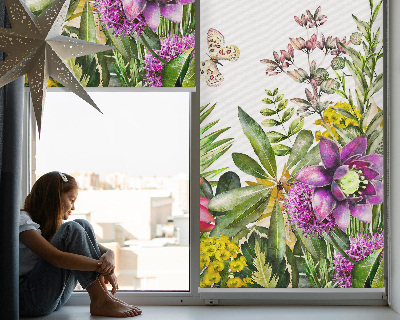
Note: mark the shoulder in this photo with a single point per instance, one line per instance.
(26, 223)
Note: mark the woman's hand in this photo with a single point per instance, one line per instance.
(112, 279)
(107, 263)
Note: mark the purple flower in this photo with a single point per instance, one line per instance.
(171, 47)
(360, 247)
(348, 182)
(152, 10)
(112, 15)
(298, 205)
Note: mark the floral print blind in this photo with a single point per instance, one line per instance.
(291, 145)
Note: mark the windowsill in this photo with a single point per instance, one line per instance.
(240, 312)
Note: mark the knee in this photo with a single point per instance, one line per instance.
(84, 223)
(72, 226)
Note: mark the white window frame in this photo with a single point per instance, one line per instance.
(389, 297)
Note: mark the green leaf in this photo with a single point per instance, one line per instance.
(347, 137)
(152, 39)
(376, 12)
(340, 238)
(244, 213)
(267, 101)
(275, 136)
(312, 157)
(268, 112)
(345, 113)
(207, 159)
(361, 26)
(275, 91)
(287, 114)
(205, 114)
(364, 270)
(229, 200)
(356, 79)
(282, 105)
(296, 126)
(376, 86)
(206, 190)
(379, 279)
(303, 142)
(263, 274)
(276, 244)
(281, 149)
(269, 123)
(268, 92)
(174, 69)
(375, 140)
(205, 141)
(189, 79)
(259, 142)
(375, 123)
(215, 145)
(118, 43)
(279, 97)
(208, 126)
(71, 9)
(212, 173)
(249, 165)
(295, 272)
(105, 74)
(87, 32)
(354, 54)
(228, 181)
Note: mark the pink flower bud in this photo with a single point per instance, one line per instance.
(290, 50)
(297, 19)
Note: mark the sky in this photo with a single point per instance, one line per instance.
(140, 133)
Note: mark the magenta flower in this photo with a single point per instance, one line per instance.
(171, 47)
(152, 10)
(360, 247)
(207, 221)
(112, 15)
(298, 205)
(348, 182)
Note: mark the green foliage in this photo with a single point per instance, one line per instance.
(263, 274)
(210, 148)
(364, 271)
(174, 71)
(282, 115)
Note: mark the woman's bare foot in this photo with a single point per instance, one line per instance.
(103, 284)
(112, 308)
(103, 304)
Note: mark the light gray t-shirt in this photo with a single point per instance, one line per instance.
(27, 258)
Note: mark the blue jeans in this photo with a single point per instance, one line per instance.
(46, 288)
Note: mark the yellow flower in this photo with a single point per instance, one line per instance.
(220, 245)
(223, 238)
(222, 255)
(235, 282)
(232, 247)
(243, 260)
(210, 250)
(236, 265)
(209, 241)
(211, 278)
(204, 260)
(215, 267)
(247, 280)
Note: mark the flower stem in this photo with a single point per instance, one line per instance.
(147, 46)
(327, 127)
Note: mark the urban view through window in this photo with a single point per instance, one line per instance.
(132, 167)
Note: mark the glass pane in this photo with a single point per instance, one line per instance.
(132, 166)
(292, 144)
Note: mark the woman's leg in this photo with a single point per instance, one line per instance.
(47, 287)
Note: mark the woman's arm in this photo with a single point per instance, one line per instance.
(107, 260)
(65, 260)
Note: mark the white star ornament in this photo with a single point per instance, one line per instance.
(36, 47)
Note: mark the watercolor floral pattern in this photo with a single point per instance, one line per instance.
(313, 215)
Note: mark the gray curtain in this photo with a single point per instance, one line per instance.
(11, 110)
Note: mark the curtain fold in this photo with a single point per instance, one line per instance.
(11, 116)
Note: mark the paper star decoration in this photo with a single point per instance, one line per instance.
(36, 47)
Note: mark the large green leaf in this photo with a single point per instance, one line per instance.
(229, 200)
(312, 157)
(151, 38)
(259, 142)
(175, 68)
(249, 165)
(226, 142)
(72, 7)
(205, 113)
(190, 76)
(281, 149)
(295, 272)
(339, 238)
(376, 86)
(246, 212)
(206, 190)
(87, 32)
(205, 141)
(274, 136)
(375, 123)
(276, 247)
(210, 157)
(228, 181)
(264, 272)
(303, 142)
(364, 270)
(379, 279)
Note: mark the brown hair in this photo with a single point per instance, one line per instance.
(43, 203)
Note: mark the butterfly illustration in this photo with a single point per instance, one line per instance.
(218, 51)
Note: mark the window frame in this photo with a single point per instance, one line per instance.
(387, 296)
